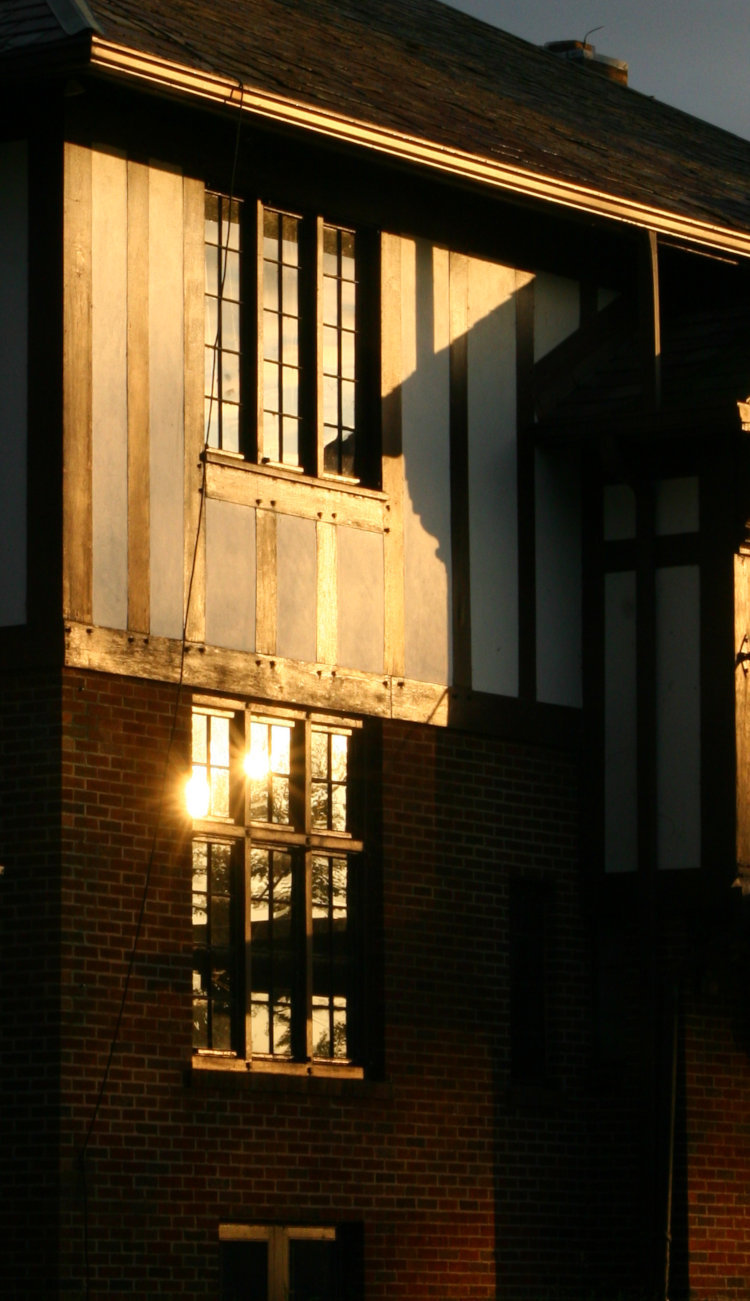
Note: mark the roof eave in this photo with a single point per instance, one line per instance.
(112, 59)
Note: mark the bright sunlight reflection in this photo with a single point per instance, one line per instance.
(197, 795)
(256, 762)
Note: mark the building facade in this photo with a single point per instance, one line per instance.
(372, 615)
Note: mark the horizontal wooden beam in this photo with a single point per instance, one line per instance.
(240, 674)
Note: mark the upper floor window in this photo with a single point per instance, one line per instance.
(278, 886)
(286, 379)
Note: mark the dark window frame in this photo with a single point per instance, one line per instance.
(245, 437)
(257, 1260)
(322, 924)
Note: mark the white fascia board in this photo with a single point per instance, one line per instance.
(119, 60)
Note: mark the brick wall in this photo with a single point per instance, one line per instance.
(715, 1163)
(467, 1185)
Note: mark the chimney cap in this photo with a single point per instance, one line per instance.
(586, 56)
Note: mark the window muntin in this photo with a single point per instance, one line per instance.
(277, 889)
(309, 409)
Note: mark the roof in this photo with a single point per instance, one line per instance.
(419, 78)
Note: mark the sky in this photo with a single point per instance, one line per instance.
(694, 54)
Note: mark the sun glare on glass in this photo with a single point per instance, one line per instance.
(256, 762)
(197, 795)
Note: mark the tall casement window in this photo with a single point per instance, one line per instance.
(278, 887)
(286, 377)
(290, 1262)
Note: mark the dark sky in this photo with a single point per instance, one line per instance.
(694, 54)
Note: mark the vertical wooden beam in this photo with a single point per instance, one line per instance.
(392, 451)
(43, 455)
(650, 320)
(195, 513)
(327, 594)
(526, 491)
(459, 469)
(265, 583)
(742, 705)
(138, 400)
(77, 428)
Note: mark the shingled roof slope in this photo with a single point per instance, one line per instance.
(421, 68)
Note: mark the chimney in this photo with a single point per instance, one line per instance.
(585, 56)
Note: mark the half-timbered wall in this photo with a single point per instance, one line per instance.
(13, 380)
(421, 582)
(652, 676)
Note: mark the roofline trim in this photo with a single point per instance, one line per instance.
(108, 56)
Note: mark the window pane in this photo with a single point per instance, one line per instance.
(290, 340)
(230, 326)
(211, 321)
(339, 753)
(289, 291)
(200, 738)
(270, 336)
(291, 440)
(319, 754)
(347, 304)
(270, 233)
(271, 286)
(212, 218)
(244, 1271)
(347, 354)
(347, 404)
(290, 390)
(212, 269)
(330, 301)
(290, 240)
(330, 350)
(230, 270)
(280, 748)
(230, 427)
(230, 376)
(332, 450)
(270, 386)
(311, 1270)
(331, 400)
(347, 254)
(271, 439)
(211, 372)
(230, 228)
(330, 250)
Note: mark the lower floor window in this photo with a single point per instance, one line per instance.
(290, 1263)
(278, 886)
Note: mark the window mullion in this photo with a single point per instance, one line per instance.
(278, 1274)
(246, 1009)
(318, 357)
(259, 329)
(308, 958)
